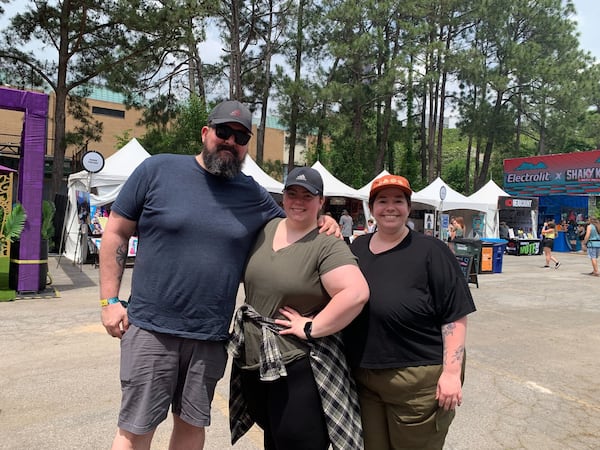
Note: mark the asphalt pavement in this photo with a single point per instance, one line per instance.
(533, 359)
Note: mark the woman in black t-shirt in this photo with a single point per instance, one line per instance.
(407, 345)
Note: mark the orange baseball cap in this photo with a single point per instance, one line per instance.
(388, 181)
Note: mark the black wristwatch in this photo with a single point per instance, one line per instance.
(308, 330)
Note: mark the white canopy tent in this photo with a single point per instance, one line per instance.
(365, 191)
(488, 194)
(430, 195)
(252, 169)
(334, 187)
(430, 198)
(107, 184)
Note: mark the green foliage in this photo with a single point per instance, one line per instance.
(12, 224)
(48, 211)
(177, 129)
(123, 139)
(61, 46)
(86, 128)
(274, 169)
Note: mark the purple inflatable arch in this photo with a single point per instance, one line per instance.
(31, 179)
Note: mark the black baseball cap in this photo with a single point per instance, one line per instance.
(231, 111)
(308, 178)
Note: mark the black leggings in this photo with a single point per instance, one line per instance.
(288, 410)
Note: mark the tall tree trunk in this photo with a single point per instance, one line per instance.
(431, 128)
(385, 134)
(440, 134)
(60, 144)
(61, 91)
(295, 101)
(260, 138)
(489, 146)
(519, 124)
(468, 165)
(442, 101)
(235, 62)
(423, 143)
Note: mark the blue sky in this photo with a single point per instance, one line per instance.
(588, 12)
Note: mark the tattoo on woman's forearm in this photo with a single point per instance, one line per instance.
(448, 329)
(458, 354)
(456, 358)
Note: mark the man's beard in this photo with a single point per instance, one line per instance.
(227, 167)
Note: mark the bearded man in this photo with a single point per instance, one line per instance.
(196, 218)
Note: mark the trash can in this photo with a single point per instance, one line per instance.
(560, 242)
(492, 253)
(468, 247)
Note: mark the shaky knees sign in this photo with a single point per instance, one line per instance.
(566, 173)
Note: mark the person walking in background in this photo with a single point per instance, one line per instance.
(572, 235)
(196, 217)
(592, 243)
(581, 230)
(549, 234)
(301, 288)
(504, 231)
(407, 347)
(346, 224)
(371, 227)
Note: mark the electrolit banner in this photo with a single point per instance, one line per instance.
(566, 173)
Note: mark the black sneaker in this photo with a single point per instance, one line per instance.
(545, 267)
(557, 265)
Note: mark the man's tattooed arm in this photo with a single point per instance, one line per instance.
(121, 259)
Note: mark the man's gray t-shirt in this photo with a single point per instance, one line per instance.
(346, 225)
(195, 232)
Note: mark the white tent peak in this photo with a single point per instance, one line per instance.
(252, 169)
(430, 195)
(117, 167)
(107, 183)
(489, 193)
(366, 189)
(334, 187)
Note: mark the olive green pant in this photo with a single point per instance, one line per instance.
(399, 409)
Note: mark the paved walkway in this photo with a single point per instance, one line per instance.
(531, 382)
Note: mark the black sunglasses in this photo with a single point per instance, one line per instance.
(225, 131)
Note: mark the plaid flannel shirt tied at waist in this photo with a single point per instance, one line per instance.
(332, 376)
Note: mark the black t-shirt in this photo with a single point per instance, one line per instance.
(416, 287)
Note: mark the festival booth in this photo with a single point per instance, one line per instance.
(340, 196)
(438, 198)
(90, 194)
(520, 214)
(566, 185)
(488, 195)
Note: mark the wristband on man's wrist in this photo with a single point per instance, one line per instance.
(109, 301)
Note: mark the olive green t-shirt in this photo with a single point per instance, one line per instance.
(288, 277)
